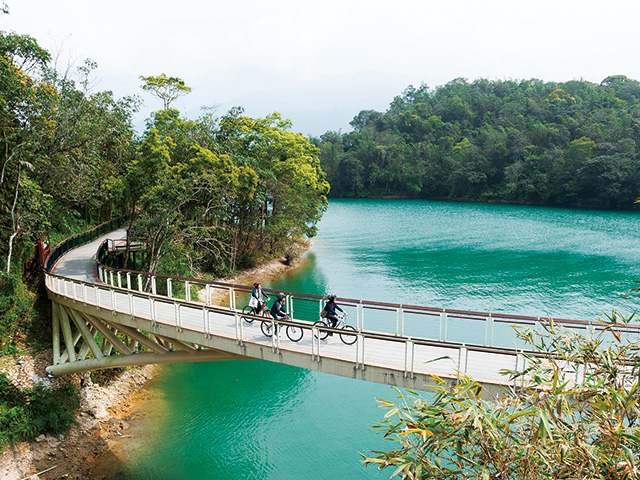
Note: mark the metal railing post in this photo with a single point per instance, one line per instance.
(462, 351)
(208, 299)
(111, 282)
(240, 341)
(493, 329)
(154, 319)
(205, 323)
(139, 282)
(236, 324)
(413, 358)
(153, 285)
(362, 319)
(169, 288)
(128, 280)
(187, 291)
(119, 279)
(488, 326)
(273, 335)
(406, 356)
(444, 320)
(315, 337)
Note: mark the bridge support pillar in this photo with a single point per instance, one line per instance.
(85, 335)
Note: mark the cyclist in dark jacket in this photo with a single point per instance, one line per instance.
(330, 309)
(277, 309)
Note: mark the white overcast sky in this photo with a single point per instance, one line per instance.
(320, 62)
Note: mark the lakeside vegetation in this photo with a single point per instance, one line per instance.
(215, 194)
(210, 195)
(575, 415)
(574, 143)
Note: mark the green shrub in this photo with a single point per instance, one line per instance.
(16, 312)
(24, 415)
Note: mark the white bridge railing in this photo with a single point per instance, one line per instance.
(211, 321)
(408, 339)
(484, 329)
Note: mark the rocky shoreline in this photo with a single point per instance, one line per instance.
(105, 415)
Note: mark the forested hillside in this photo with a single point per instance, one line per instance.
(573, 143)
(209, 195)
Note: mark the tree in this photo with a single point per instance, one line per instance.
(165, 88)
(575, 416)
(519, 141)
(22, 125)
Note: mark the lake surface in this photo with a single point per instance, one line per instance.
(258, 420)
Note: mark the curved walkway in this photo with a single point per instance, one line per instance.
(197, 328)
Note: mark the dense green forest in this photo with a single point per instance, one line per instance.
(208, 196)
(573, 143)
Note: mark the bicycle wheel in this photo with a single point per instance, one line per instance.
(348, 338)
(294, 333)
(248, 311)
(322, 334)
(267, 328)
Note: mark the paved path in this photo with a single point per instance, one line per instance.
(379, 356)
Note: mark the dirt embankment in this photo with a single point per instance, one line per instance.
(106, 413)
(103, 415)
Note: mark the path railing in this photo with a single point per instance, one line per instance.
(395, 320)
(81, 239)
(406, 340)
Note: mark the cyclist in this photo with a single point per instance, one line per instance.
(259, 297)
(277, 309)
(330, 311)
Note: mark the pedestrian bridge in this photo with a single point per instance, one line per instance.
(105, 318)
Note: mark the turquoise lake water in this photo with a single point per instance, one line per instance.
(258, 420)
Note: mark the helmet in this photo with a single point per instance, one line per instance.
(257, 284)
(281, 296)
(331, 297)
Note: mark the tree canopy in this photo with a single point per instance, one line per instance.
(165, 88)
(209, 195)
(529, 141)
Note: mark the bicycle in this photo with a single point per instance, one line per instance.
(249, 310)
(346, 337)
(294, 332)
